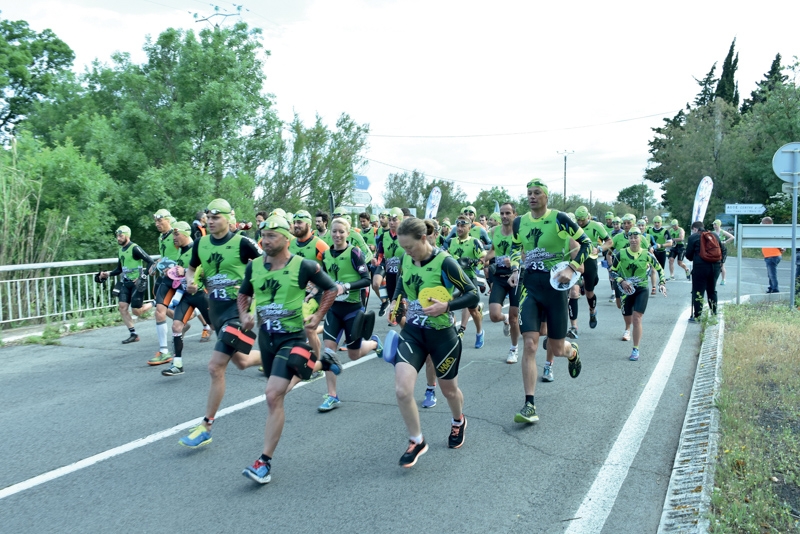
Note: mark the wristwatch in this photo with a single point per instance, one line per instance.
(346, 286)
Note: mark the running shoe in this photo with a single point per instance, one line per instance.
(544, 342)
(634, 355)
(132, 339)
(652, 291)
(506, 329)
(593, 320)
(379, 348)
(316, 375)
(198, 437)
(527, 414)
(258, 472)
(722, 283)
(336, 365)
(461, 331)
(512, 356)
(392, 323)
(384, 305)
(572, 332)
(205, 337)
(430, 398)
(329, 403)
(413, 452)
(547, 374)
(173, 371)
(479, 340)
(575, 363)
(626, 335)
(456, 438)
(611, 298)
(160, 358)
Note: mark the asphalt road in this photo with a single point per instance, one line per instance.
(84, 404)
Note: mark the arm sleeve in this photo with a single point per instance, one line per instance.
(614, 270)
(657, 266)
(575, 232)
(117, 270)
(453, 275)
(322, 246)
(194, 262)
(248, 250)
(690, 245)
(357, 259)
(139, 254)
(485, 236)
(310, 271)
(247, 285)
(516, 244)
(450, 236)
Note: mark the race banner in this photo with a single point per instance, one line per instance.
(432, 208)
(701, 199)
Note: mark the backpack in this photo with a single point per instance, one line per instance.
(710, 251)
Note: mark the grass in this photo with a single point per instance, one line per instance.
(50, 336)
(757, 478)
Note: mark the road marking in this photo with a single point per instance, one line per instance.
(152, 438)
(597, 505)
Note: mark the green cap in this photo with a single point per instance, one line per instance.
(571, 216)
(302, 215)
(629, 217)
(470, 208)
(609, 215)
(640, 222)
(278, 211)
(373, 218)
(161, 213)
(396, 212)
(220, 205)
(172, 220)
(339, 212)
(446, 222)
(183, 228)
(276, 223)
(616, 220)
(674, 222)
(124, 230)
(582, 212)
(384, 211)
(635, 230)
(657, 219)
(717, 222)
(496, 217)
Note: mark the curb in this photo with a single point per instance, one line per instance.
(688, 501)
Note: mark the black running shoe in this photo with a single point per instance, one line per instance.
(456, 439)
(414, 451)
(592, 320)
(544, 342)
(173, 371)
(575, 363)
(384, 305)
(133, 339)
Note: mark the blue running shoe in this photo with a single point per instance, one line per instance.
(479, 340)
(198, 437)
(390, 346)
(430, 398)
(258, 472)
(634, 355)
(379, 348)
(330, 403)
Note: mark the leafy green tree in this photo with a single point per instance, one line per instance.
(772, 79)
(638, 195)
(30, 64)
(727, 88)
(485, 200)
(406, 190)
(707, 88)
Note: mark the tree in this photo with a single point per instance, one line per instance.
(638, 196)
(727, 88)
(406, 190)
(485, 200)
(30, 64)
(707, 91)
(773, 78)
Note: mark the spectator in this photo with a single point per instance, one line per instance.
(199, 225)
(772, 257)
(704, 274)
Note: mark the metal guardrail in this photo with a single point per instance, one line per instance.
(61, 297)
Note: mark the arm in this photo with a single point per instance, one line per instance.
(453, 274)
(194, 263)
(310, 271)
(245, 299)
(690, 246)
(357, 259)
(140, 254)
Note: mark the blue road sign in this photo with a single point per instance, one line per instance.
(361, 182)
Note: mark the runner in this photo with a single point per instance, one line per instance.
(541, 241)
(132, 263)
(476, 230)
(678, 250)
(620, 241)
(429, 331)
(367, 234)
(321, 222)
(609, 222)
(199, 225)
(223, 256)
(601, 242)
(354, 238)
(344, 263)
(276, 286)
(468, 252)
(725, 238)
(183, 304)
(499, 260)
(162, 288)
(629, 269)
(663, 240)
(648, 243)
(389, 254)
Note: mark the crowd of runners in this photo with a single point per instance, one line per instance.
(266, 294)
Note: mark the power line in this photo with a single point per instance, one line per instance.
(522, 133)
(426, 174)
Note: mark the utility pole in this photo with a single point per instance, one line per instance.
(565, 153)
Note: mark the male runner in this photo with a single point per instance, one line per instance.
(223, 256)
(678, 250)
(601, 242)
(163, 287)
(468, 252)
(476, 230)
(663, 240)
(131, 256)
(499, 259)
(389, 254)
(541, 240)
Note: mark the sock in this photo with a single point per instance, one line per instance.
(513, 347)
(573, 309)
(416, 439)
(459, 422)
(636, 347)
(548, 364)
(432, 388)
(177, 362)
(266, 459)
(177, 340)
(529, 398)
(161, 330)
(132, 331)
(207, 327)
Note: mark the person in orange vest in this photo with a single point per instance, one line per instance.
(772, 257)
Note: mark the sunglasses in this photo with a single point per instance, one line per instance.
(468, 212)
(299, 218)
(394, 219)
(272, 225)
(159, 217)
(120, 233)
(462, 223)
(217, 212)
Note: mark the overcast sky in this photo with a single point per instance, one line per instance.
(586, 77)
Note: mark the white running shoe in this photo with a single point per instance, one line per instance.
(512, 356)
(626, 335)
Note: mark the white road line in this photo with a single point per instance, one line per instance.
(598, 502)
(152, 438)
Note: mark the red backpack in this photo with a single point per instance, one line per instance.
(710, 251)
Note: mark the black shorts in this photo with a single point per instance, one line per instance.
(661, 256)
(501, 289)
(540, 303)
(636, 302)
(376, 270)
(391, 284)
(221, 312)
(128, 293)
(184, 311)
(164, 292)
(677, 252)
(275, 350)
(338, 320)
(443, 346)
(590, 277)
